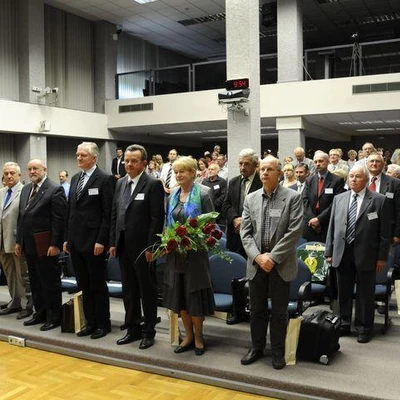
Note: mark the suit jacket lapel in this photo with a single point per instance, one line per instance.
(139, 186)
(279, 204)
(41, 191)
(15, 194)
(90, 181)
(384, 186)
(365, 204)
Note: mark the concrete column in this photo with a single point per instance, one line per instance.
(30, 147)
(30, 48)
(290, 41)
(107, 153)
(242, 61)
(290, 135)
(106, 64)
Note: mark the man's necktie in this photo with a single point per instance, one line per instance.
(79, 187)
(127, 192)
(33, 192)
(320, 186)
(372, 185)
(168, 180)
(351, 220)
(8, 197)
(242, 194)
(300, 188)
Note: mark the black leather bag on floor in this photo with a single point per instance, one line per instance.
(319, 336)
(67, 317)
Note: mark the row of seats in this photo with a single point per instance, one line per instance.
(230, 287)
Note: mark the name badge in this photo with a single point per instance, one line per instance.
(328, 190)
(139, 196)
(93, 191)
(216, 187)
(274, 212)
(373, 215)
(389, 195)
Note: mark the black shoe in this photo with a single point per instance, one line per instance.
(345, 330)
(364, 338)
(49, 325)
(146, 343)
(129, 338)
(182, 349)
(278, 361)
(252, 356)
(7, 311)
(24, 314)
(199, 351)
(99, 333)
(235, 319)
(86, 331)
(34, 321)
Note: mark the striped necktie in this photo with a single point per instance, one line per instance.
(79, 187)
(351, 221)
(168, 180)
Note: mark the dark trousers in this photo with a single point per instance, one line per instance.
(138, 282)
(45, 279)
(90, 272)
(347, 277)
(262, 286)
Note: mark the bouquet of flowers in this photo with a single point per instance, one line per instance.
(197, 234)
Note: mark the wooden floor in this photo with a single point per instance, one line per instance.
(31, 374)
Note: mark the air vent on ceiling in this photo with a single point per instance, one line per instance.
(136, 107)
(202, 20)
(376, 87)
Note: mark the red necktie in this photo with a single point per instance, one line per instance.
(320, 185)
(372, 185)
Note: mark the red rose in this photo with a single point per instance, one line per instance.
(172, 245)
(211, 241)
(217, 234)
(208, 228)
(185, 241)
(181, 231)
(193, 222)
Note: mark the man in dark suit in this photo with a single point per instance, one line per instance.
(357, 247)
(270, 229)
(42, 211)
(301, 171)
(247, 182)
(218, 190)
(318, 195)
(389, 187)
(118, 165)
(87, 233)
(137, 217)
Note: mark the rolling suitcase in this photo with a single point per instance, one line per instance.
(319, 336)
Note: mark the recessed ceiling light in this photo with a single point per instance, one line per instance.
(144, 1)
(181, 133)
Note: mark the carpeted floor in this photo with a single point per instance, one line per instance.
(358, 371)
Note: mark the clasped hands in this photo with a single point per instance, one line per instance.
(265, 262)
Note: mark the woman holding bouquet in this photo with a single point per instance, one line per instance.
(187, 279)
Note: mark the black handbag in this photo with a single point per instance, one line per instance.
(67, 317)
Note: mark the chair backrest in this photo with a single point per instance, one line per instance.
(222, 272)
(381, 277)
(222, 243)
(303, 275)
(312, 253)
(113, 269)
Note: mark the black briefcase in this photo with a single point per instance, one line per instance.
(67, 317)
(319, 336)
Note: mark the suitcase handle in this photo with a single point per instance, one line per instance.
(332, 318)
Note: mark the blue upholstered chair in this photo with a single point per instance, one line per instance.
(68, 280)
(114, 277)
(222, 273)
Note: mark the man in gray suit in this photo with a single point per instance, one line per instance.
(270, 229)
(357, 247)
(15, 268)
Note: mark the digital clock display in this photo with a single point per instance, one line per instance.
(237, 84)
